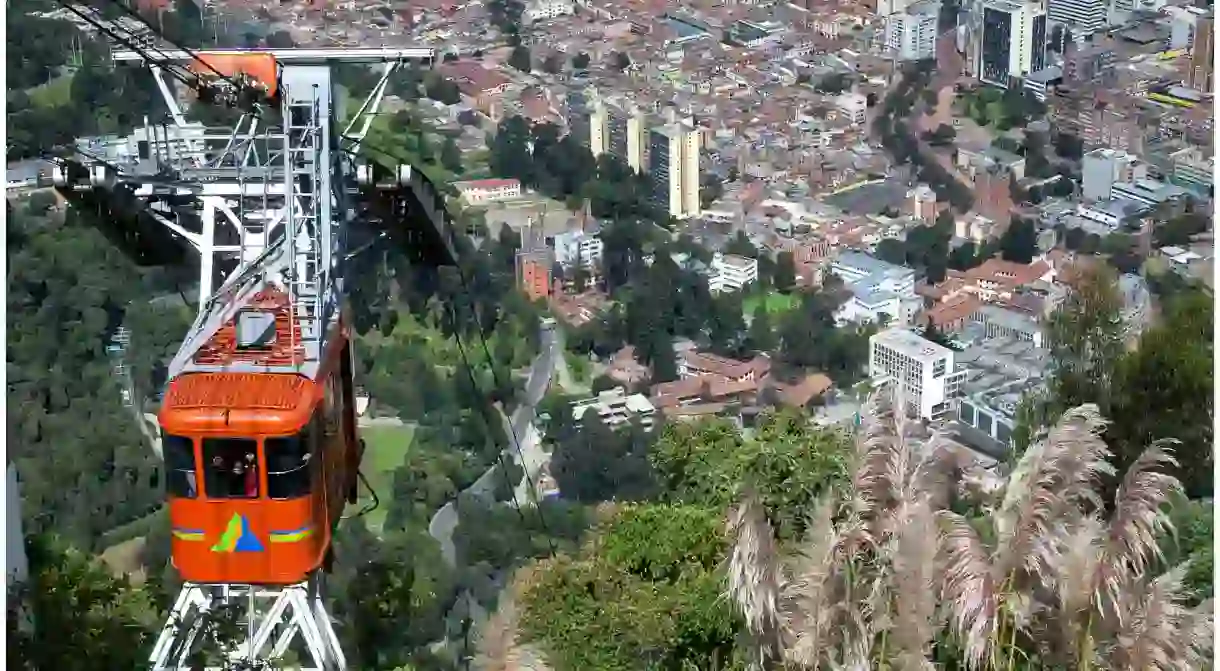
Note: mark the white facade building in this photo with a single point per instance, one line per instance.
(910, 35)
(730, 272)
(879, 289)
(578, 248)
(855, 106)
(484, 191)
(1101, 168)
(922, 369)
(1011, 41)
(541, 10)
(616, 408)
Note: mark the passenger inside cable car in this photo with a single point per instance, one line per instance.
(233, 468)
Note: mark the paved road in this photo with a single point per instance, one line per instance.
(445, 520)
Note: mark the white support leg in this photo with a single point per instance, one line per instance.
(272, 621)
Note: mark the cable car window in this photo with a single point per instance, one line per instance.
(230, 468)
(179, 452)
(288, 464)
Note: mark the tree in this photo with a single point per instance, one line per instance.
(934, 334)
(657, 565)
(762, 333)
(593, 463)
(451, 156)
(891, 250)
(785, 272)
(553, 64)
(71, 614)
(1169, 378)
(580, 61)
(1086, 341)
(1019, 243)
(520, 59)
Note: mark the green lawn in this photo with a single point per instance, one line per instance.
(54, 93)
(775, 302)
(385, 449)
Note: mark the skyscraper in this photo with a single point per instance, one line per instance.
(1201, 54)
(1011, 41)
(910, 35)
(1083, 17)
(673, 164)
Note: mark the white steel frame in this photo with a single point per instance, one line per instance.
(261, 201)
(273, 617)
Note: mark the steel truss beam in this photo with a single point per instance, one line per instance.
(270, 621)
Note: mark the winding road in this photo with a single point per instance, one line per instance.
(530, 456)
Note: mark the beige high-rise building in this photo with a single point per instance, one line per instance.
(618, 129)
(673, 164)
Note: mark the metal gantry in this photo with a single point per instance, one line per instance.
(268, 201)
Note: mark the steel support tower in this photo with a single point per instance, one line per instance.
(268, 200)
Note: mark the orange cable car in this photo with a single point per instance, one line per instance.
(261, 458)
(260, 69)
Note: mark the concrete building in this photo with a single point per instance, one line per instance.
(617, 409)
(620, 129)
(485, 191)
(1193, 171)
(730, 272)
(534, 273)
(910, 35)
(1148, 191)
(1201, 54)
(854, 106)
(923, 203)
(855, 267)
(1090, 64)
(673, 164)
(1084, 17)
(999, 372)
(1102, 168)
(924, 370)
(542, 10)
(1012, 40)
(880, 292)
(583, 248)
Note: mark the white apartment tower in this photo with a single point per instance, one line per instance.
(910, 35)
(922, 369)
(1083, 17)
(673, 163)
(1011, 41)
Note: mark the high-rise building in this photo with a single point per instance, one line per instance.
(1201, 54)
(619, 130)
(1011, 42)
(1083, 17)
(581, 114)
(910, 35)
(673, 163)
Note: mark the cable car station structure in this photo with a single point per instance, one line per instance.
(268, 205)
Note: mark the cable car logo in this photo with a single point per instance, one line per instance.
(238, 537)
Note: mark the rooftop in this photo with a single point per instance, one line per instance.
(911, 344)
(869, 265)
